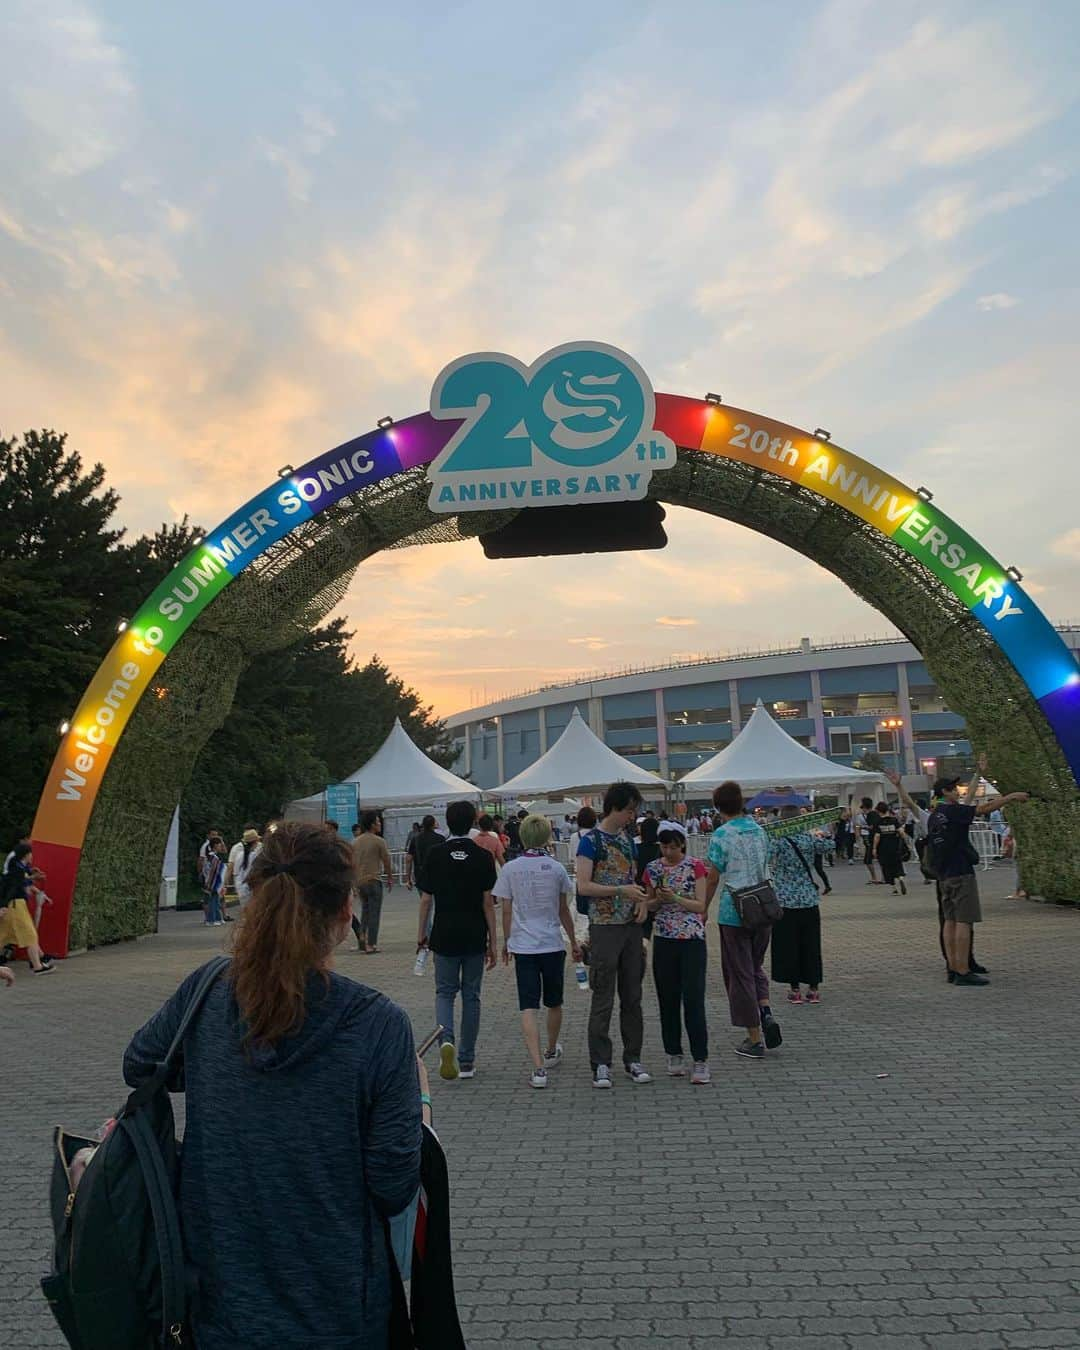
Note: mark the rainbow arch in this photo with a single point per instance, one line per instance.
(993, 594)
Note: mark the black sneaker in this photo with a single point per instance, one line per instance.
(750, 1049)
(771, 1027)
(971, 978)
(973, 966)
(950, 975)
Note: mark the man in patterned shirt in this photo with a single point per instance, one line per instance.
(605, 869)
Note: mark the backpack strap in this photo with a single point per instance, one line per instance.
(166, 1224)
(213, 969)
(160, 1076)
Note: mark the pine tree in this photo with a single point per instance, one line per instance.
(66, 579)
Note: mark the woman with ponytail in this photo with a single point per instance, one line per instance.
(314, 1080)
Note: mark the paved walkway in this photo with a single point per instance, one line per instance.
(805, 1202)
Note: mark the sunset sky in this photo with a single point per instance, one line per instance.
(232, 236)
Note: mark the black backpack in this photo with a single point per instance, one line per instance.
(118, 1278)
(936, 849)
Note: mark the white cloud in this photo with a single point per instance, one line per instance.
(996, 300)
(1067, 545)
(676, 621)
(69, 86)
(294, 155)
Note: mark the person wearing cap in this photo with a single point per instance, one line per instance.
(921, 819)
(952, 858)
(241, 857)
(676, 888)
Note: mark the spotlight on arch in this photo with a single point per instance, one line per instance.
(925, 494)
(65, 727)
(714, 399)
(820, 434)
(1015, 573)
(121, 627)
(384, 423)
(286, 471)
(199, 540)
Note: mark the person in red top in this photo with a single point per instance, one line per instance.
(487, 838)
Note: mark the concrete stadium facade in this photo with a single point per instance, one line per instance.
(831, 697)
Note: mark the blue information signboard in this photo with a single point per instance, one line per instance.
(341, 806)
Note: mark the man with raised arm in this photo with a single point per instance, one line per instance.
(952, 857)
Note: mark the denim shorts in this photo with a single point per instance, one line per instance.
(536, 969)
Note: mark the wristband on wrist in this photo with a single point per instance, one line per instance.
(425, 1100)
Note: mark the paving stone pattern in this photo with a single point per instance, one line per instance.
(805, 1201)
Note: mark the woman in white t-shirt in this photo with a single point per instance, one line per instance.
(536, 913)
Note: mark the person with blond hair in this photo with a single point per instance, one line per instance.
(535, 915)
(316, 1078)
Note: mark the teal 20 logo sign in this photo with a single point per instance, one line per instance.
(574, 427)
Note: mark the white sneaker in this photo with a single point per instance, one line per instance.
(638, 1073)
(552, 1057)
(448, 1063)
(676, 1066)
(601, 1076)
(469, 1072)
(539, 1078)
(700, 1073)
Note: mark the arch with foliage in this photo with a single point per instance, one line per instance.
(285, 559)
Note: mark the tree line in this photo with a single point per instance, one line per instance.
(303, 716)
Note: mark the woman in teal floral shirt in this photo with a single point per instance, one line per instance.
(796, 942)
(739, 857)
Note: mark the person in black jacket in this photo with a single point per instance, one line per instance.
(316, 1078)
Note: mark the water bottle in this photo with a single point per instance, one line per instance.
(582, 976)
(421, 961)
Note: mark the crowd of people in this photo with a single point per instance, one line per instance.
(281, 1028)
(638, 889)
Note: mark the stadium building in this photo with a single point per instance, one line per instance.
(834, 697)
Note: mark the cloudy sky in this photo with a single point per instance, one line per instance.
(232, 236)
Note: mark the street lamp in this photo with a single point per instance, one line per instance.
(895, 725)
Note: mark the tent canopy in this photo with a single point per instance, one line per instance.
(763, 755)
(579, 761)
(397, 774)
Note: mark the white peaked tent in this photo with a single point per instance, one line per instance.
(763, 755)
(397, 774)
(579, 761)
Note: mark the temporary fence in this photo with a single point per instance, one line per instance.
(988, 842)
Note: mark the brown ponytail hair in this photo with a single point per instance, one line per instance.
(300, 884)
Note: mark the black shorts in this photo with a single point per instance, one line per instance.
(536, 969)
